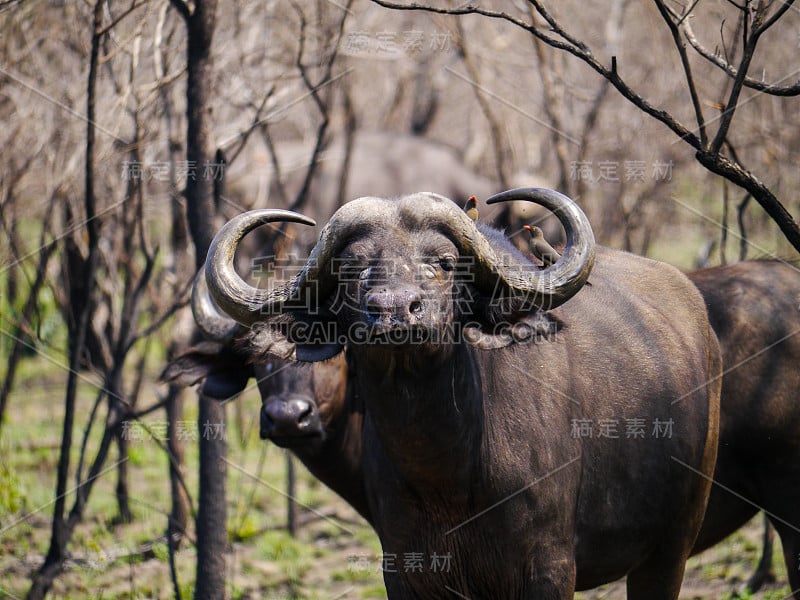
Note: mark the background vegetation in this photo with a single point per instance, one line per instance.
(106, 152)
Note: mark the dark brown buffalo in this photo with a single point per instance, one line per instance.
(314, 411)
(751, 305)
(310, 409)
(754, 307)
(473, 376)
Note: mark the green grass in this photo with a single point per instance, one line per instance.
(688, 220)
(106, 557)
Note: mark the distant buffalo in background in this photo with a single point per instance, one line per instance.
(382, 163)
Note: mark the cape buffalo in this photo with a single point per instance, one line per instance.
(754, 307)
(474, 371)
(314, 411)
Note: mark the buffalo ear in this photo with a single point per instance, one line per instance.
(532, 328)
(201, 360)
(265, 342)
(223, 371)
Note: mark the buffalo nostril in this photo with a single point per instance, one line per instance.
(304, 414)
(393, 306)
(291, 416)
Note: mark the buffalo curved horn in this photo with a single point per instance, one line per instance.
(214, 324)
(521, 279)
(567, 276)
(247, 304)
(229, 291)
(546, 289)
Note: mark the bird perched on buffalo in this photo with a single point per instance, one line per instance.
(540, 248)
(471, 208)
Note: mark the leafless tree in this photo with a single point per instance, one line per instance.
(714, 150)
(23, 328)
(200, 19)
(77, 330)
(287, 75)
(109, 278)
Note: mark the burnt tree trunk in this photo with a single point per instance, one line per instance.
(200, 22)
(179, 513)
(212, 537)
(291, 491)
(200, 25)
(179, 238)
(18, 343)
(60, 533)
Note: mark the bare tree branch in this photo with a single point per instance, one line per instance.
(551, 110)
(182, 7)
(740, 210)
(495, 130)
(733, 98)
(244, 136)
(314, 90)
(27, 312)
(773, 89)
(577, 49)
(61, 531)
(673, 20)
(769, 22)
(707, 155)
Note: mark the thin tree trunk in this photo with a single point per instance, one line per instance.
(18, 340)
(60, 533)
(211, 516)
(199, 187)
(179, 236)
(291, 489)
(123, 497)
(179, 513)
(212, 537)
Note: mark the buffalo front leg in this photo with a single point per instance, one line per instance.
(783, 509)
(659, 578)
(764, 572)
(790, 540)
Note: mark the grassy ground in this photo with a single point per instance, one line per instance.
(335, 555)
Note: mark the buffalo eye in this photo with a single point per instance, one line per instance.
(352, 268)
(447, 263)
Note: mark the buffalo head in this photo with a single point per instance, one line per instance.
(299, 401)
(413, 271)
